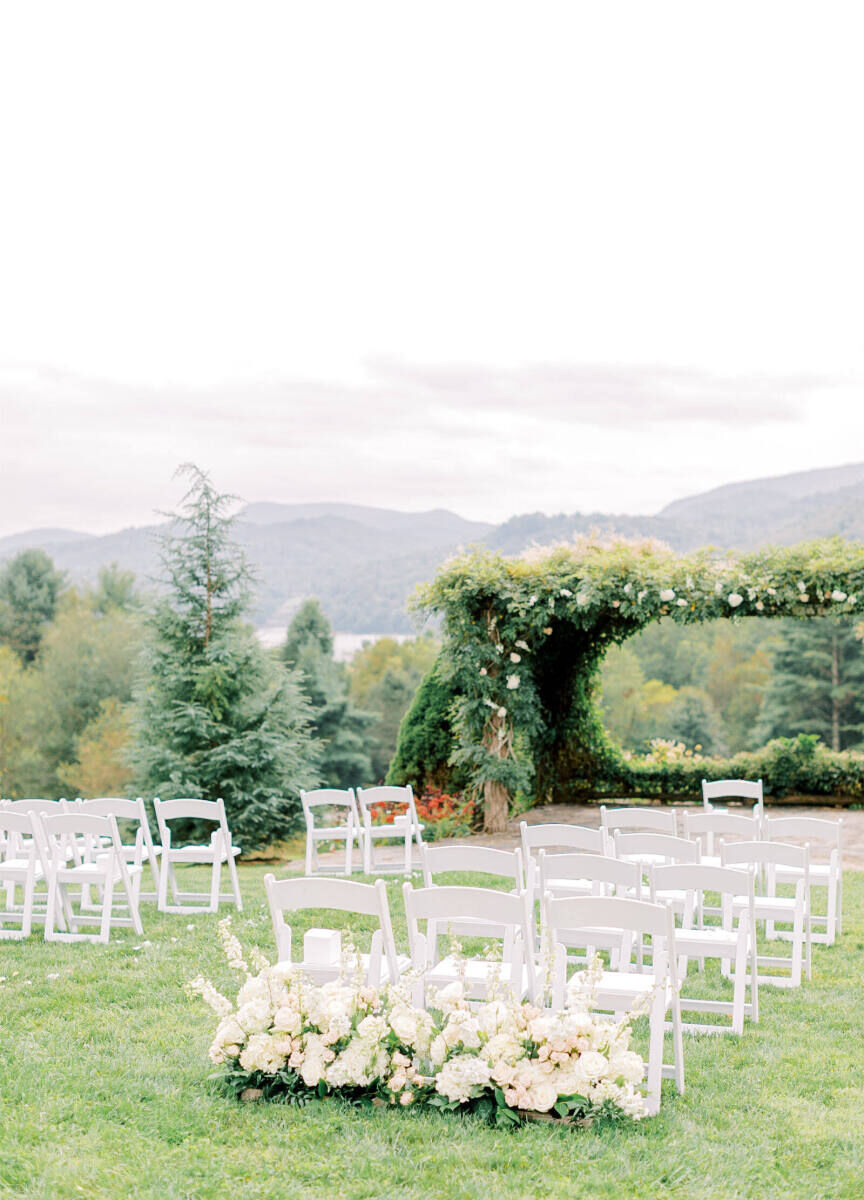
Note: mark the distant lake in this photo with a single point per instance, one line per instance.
(345, 645)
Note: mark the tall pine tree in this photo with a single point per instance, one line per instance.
(817, 685)
(341, 729)
(215, 715)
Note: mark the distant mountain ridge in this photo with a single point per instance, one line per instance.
(363, 562)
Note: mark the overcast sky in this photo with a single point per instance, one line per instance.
(490, 257)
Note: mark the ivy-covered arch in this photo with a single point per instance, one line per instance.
(524, 639)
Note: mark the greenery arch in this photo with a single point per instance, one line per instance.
(524, 639)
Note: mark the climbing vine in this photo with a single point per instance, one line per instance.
(524, 639)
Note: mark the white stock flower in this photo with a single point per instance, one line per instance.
(734, 599)
(626, 1065)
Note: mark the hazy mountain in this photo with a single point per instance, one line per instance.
(364, 562)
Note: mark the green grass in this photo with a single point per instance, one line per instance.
(104, 1093)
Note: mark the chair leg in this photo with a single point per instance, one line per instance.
(235, 881)
(655, 1054)
(408, 853)
(831, 919)
(50, 910)
(162, 888)
(740, 984)
(107, 905)
(797, 945)
(215, 877)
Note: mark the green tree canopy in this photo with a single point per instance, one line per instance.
(817, 685)
(385, 675)
(340, 728)
(215, 715)
(30, 587)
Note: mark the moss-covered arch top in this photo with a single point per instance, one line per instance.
(524, 638)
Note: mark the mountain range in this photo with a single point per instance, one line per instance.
(363, 562)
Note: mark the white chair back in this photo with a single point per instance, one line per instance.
(405, 825)
(366, 899)
(443, 908)
(733, 789)
(655, 848)
(650, 820)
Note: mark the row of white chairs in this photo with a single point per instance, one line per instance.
(349, 817)
(58, 853)
(641, 898)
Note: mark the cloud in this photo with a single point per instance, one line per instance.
(494, 441)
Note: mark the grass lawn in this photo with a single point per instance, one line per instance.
(104, 1093)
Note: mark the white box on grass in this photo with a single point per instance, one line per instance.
(322, 947)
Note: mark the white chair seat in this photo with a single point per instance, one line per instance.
(14, 866)
(477, 974)
(320, 974)
(793, 874)
(687, 939)
(200, 854)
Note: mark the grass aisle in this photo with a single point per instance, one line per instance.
(104, 1094)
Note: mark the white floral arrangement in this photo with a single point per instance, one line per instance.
(288, 1039)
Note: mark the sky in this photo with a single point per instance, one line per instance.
(492, 257)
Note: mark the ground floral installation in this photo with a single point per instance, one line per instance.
(288, 1040)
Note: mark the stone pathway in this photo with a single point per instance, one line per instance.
(589, 814)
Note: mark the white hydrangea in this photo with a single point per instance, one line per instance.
(462, 1077)
(260, 1054)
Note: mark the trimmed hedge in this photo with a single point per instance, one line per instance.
(798, 769)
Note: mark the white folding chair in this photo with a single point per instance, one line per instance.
(711, 825)
(829, 875)
(621, 990)
(569, 875)
(100, 863)
(445, 908)
(734, 789)
(217, 851)
(654, 849)
(638, 817)
(331, 816)
(554, 836)
(381, 965)
(764, 859)
(20, 867)
(733, 941)
(479, 860)
(404, 825)
(143, 847)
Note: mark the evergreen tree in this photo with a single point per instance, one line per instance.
(30, 587)
(339, 727)
(215, 715)
(384, 678)
(817, 685)
(426, 739)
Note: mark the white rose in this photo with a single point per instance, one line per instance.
(404, 1024)
(512, 682)
(838, 596)
(667, 594)
(681, 603)
(483, 671)
(734, 599)
(502, 711)
(542, 1096)
(803, 597)
(517, 658)
(759, 606)
(566, 592)
(593, 1064)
